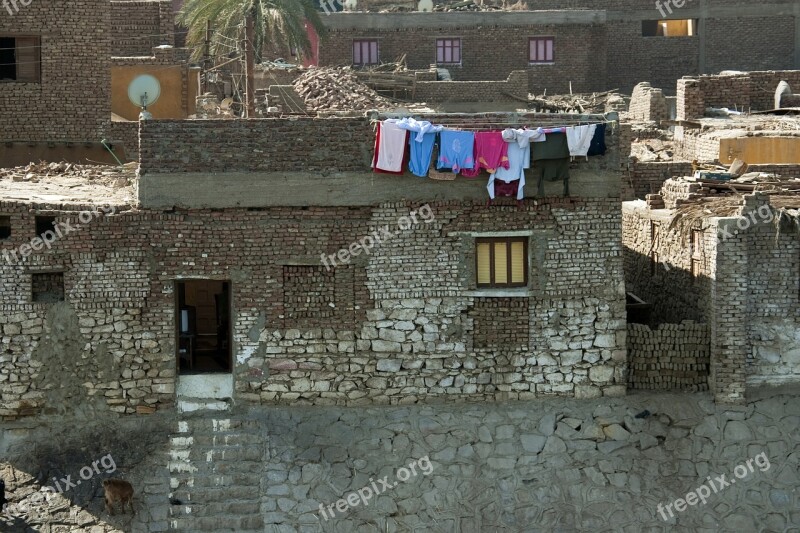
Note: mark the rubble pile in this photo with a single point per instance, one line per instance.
(576, 103)
(337, 89)
(648, 150)
(474, 5)
(113, 176)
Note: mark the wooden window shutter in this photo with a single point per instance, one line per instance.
(28, 59)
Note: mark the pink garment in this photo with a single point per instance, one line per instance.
(491, 152)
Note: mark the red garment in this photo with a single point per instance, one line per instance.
(502, 188)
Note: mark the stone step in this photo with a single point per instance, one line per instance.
(194, 405)
(201, 480)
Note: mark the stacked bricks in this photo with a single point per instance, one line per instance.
(673, 357)
(513, 89)
(648, 104)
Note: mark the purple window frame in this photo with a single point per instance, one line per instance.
(541, 50)
(368, 48)
(448, 46)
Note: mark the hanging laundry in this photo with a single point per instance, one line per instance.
(519, 158)
(422, 127)
(456, 150)
(551, 161)
(598, 145)
(491, 150)
(524, 136)
(476, 169)
(390, 148)
(421, 153)
(579, 138)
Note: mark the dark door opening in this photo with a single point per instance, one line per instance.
(203, 311)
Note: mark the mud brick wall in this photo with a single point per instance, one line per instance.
(691, 143)
(488, 52)
(649, 177)
(317, 144)
(329, 144)
(672, 357)
(760, 43)
(749, 91)
(771, 295)
(403, 328)
(632, 58)
(73, 101)
(500, 323)
(659, 266)
(648, 104)
(474, 91)
(138, 26)
(125, 135)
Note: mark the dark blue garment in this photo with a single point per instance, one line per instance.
(598, 146)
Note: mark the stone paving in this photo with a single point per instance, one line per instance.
(558, 465)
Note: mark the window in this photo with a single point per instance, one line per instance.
(365, 52)
(20, 59)
(5, 227)
(44, 224)
(669, 28)
(540, 50)
(502, 262)
(47, 287)
(448, 51)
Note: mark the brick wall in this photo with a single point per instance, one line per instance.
(489, 52)
(138, 26)
(328, 144)
(658, 266)
(406, 326)
(513, 89)
(751, 91)
(755, 43)
(648, 104)
(73, 101)
(649, 177)
(671, 357)
(125, 134)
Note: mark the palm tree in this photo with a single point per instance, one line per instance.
(281, 23)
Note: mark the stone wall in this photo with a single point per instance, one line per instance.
(513, 89)
(73, 101)
(403, 324)
(138, 26)
(648, 104)
(693, 143)
(672, 357)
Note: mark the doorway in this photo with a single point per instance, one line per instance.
(203, 326)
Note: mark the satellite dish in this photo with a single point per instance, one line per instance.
(143, 91)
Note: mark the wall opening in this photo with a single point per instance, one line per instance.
(44, 224)
(669, 28)
(47, 287)
(203, 326)
(5, 227)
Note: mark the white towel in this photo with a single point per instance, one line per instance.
(392, 148)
